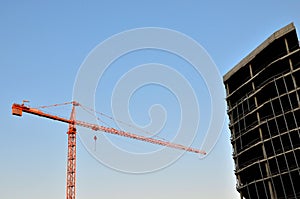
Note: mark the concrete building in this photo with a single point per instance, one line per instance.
(263, 97)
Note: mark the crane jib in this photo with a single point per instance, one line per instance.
(18, 109)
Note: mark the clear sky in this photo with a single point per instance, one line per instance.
(43, 45)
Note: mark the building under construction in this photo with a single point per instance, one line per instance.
(263, 97)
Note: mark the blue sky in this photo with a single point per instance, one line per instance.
(43, 45)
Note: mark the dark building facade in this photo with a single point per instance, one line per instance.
(263, 98)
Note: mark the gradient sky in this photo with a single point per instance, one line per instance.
(42, 47)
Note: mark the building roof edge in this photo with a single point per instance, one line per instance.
(279, 33)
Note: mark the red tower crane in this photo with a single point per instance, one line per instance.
(18, 109)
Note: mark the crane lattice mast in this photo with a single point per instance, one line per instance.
(71, 164)
(18, 109)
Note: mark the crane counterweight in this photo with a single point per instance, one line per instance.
(16, 111)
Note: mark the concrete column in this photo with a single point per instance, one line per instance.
(267, 166)
(286, 46)
(294, 80)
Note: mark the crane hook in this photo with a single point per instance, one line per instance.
(95, 138)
